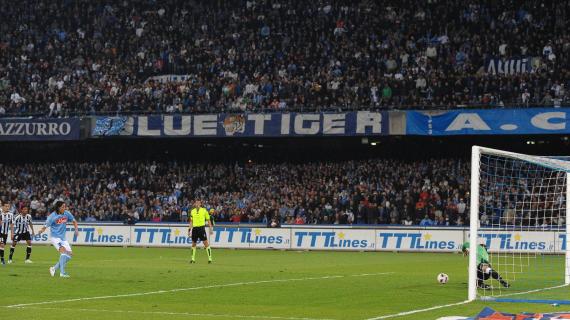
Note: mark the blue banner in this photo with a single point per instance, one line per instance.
(39, 129)
(497, 121)
(490, 314)
(109, 126)
(245, 125)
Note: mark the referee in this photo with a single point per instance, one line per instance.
(22, 225)
(197, 229)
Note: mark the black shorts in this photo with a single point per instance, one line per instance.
(482, 275)
(23, 236)
(199, 233)
(3, 238)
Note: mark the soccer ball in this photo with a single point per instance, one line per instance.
(442, 278)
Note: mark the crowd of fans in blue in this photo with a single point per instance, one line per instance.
(374, 191)
(377, 191)
(62, 57)
(67, 58)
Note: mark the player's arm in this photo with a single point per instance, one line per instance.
(43, 229)
(32, 227)
(190, 226)
(76, 228)
(211, 226)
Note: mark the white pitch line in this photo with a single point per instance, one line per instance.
(213, 315)
(458, 303)
(405, 313)
(530, 291)
(194, 288)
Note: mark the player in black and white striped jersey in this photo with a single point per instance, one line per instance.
(22, 225)
(6, 227)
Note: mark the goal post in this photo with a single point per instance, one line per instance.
(567, 239)
(519, 206)
(474, 221)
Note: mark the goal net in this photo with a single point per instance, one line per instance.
(519, 208)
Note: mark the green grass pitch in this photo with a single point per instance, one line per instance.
(240, 284)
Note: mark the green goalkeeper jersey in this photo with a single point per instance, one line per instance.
(482, 254)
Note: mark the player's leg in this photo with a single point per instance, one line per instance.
(28, 249)
(193, 260)
(208, 250)
(12, 248)
(3, 238)
(495, 275)
(64, 257)
(195, 238)
(56, 242)
(481, 277)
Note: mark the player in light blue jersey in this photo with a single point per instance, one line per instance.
(57, 222)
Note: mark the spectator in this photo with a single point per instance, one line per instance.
(274, 223)
(408, 221)
(377, 190)
(128, 57)
(461, 206)
(130, 219)
(426, 221)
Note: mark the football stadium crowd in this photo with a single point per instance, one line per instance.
(375, 191)
(344, 192)
(63, 57)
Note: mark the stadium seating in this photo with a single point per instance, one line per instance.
(373, 191)
(61, 57)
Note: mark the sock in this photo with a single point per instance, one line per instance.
(28, 252)
(209, 251)
(193, 253)
(63, 259)
(11, 253)
(2, 254)
(62, 263)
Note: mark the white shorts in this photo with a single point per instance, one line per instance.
(58, 243)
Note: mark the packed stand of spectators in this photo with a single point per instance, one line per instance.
(65, 57)
(379, 191)
(521, 193)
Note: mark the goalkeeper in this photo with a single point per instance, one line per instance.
(484, 269)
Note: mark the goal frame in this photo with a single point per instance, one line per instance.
(476, 152)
